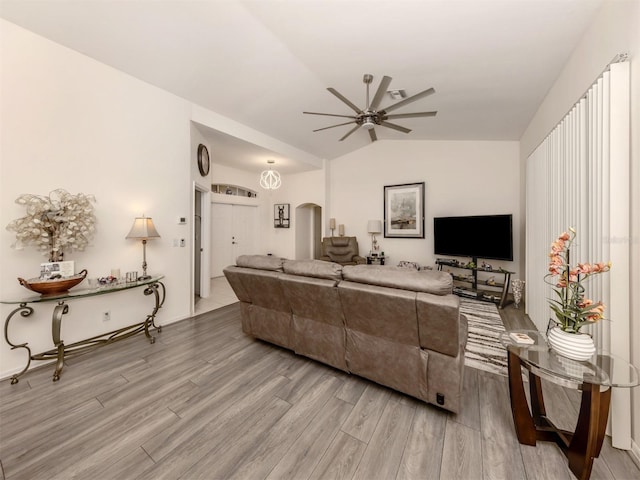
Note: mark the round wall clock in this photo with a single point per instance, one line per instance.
(203, 160)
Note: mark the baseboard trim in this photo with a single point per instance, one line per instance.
(33, 366)
(635, 453)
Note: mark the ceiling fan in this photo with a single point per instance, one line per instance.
(370, 116)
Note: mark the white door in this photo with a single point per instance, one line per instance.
(233, 230)
(244, 230)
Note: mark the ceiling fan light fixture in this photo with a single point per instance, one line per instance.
(373, 114)
(397, 94)
(270, 179)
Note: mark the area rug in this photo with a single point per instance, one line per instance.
(484, 350)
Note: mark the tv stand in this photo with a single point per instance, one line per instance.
(474, 286)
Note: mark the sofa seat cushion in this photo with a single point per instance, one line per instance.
(428, 281)
(260, 262)
(313, 268)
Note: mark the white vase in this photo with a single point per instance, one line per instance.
(577, 346)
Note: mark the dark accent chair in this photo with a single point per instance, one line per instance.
(342, 250)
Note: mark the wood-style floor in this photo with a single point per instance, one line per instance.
(207, 402)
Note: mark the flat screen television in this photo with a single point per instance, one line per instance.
(479, 236)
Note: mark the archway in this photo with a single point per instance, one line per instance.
(308, 233)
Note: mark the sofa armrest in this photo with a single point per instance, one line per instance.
(359, 260)
(440, 324)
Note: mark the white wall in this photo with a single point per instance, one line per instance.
(70, 122)
(297, 189)
(616, 29)
(461, 178)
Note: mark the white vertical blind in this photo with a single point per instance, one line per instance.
(579, 177)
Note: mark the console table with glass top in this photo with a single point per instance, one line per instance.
(152, 286)
(594, 378)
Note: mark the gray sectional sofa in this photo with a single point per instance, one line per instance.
(399, 327)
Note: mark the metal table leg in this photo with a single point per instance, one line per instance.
(56, 321)
(25, 311)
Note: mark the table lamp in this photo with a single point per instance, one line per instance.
(374, 227)
(143, 229)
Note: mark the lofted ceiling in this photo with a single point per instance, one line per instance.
(263, 62)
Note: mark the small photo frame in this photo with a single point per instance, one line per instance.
(53, 270)
(281, 217)
(404, 210)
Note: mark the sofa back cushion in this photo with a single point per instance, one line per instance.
(313, 268)
(380, 311)
(429, 281)
(313, 298)
(260, 262)
(264, 289)
(318, 322)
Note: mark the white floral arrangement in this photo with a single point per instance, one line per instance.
(54, 223)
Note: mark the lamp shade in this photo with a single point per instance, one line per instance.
(374, 226)
(143, 228)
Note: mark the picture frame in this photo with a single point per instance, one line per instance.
(54, 270)
(404, 210)
(281, 218)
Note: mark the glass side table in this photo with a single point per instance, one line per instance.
(151, 286)
(594, 378)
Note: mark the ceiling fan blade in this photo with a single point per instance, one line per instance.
(395, 127)
(350, 132)
(372, 134)
(333, 126)
(344, 99)
(411, 115)
(330, 114)
(406, 101)
(382, 88)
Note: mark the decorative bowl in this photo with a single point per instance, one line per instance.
(48, 287)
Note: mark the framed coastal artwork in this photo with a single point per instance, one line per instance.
(404, 210)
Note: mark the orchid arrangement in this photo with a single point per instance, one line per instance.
(55, 222)
(572, 309)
